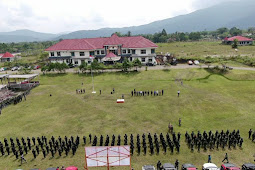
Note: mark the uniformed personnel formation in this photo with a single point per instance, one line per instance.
(13, 100)
(147, 93)
(40, 145)
(60, 146)
(213, 140)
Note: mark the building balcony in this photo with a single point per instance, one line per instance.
(60, 57)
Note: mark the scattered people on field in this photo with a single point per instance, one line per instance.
(178, 93)
(176, 164)
(80, 91)
(225, 158)
(180, 122)
(209, 159)
(252, 135)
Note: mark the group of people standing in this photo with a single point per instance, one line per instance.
(211, 140)
(147, 93)
(80, 91)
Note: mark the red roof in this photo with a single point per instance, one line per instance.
(7, 55)
(239, 38)
(99, 43)
(110, 55)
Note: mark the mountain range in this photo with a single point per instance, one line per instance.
(228, 14)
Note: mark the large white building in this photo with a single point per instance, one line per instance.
(107, 50)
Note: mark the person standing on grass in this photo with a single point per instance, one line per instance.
(209, 159)
(226, 158)
(22, 158)
(180, 122)
(178, 92)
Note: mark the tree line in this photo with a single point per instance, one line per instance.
(36, 48)
(219, 34)
(95, 66)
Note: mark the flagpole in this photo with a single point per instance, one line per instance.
(92, 77)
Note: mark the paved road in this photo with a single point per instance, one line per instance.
(159, 67)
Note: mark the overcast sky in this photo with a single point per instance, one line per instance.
(55, 16)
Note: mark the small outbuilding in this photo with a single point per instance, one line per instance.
(7, 57)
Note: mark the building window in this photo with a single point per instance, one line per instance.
(133, 51)
(98, 52)
(58, 54)
(91, 53)
(52, 54)
(124, 51)
(72, 54)
(152, 51)
(143, 59)
(128, 51)
(143, 51)
(76, 62)
(130, 58)
(150, 60)
(82, 54)
(102, 51)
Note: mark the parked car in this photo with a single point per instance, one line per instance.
(20, 68)
(188, 167)
(248, 166)
(209, 166)
(3, 69)
(14, 68)
(229, 166)
(190, 62)
(36, 67)
(168, 166)
(196, 62)
(148, 167)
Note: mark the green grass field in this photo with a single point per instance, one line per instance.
(207, 102)
(203, 49)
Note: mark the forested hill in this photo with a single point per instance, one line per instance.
(229, 14)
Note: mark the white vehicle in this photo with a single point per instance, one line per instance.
(20, 68)
(14, 68)
(209, 166)
(1, 69)
(196, 62)
(148, 167)
(190, 62)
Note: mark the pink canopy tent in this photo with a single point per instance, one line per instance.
(71, 168)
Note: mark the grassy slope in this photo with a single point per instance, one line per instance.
(206, 103)
(201, 49)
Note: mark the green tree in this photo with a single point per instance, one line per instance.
(83, 67)
(235, 31)
(222, 30)
(235, 44)
(137, 63)
(164, 33)
(126, 65)
(129, 34)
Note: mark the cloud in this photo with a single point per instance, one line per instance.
(65, 15)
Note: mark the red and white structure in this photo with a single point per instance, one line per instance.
(241, 40)
(6, 57)
(107, 50)
(107, 156)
